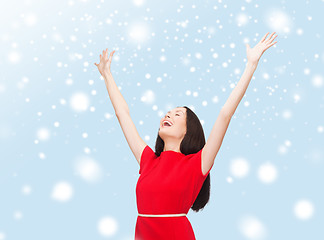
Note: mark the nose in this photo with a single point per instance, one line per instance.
(166, 116)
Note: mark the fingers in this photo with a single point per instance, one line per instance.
(111, 55)
(273, 43)
(264, 37)
(273, 38)
(105, 55)
(269, 40)
(270, 37)
(270, 45)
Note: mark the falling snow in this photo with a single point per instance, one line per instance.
(64, 157)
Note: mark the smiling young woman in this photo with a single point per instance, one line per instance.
(175, 176)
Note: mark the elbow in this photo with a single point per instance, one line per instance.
(225, 113)
(121, 113)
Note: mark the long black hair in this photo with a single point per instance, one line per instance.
(193, 142)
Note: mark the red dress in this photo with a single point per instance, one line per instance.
(168, 184)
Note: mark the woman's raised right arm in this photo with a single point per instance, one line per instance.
(134, 140)
(115, 95)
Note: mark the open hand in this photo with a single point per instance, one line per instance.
(104, 64)
(254, 54)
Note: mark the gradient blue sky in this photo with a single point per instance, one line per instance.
(66, 170)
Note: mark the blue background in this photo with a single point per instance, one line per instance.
(48, 51)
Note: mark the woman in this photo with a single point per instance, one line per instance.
(175, 177)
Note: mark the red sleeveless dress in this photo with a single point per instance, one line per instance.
(168, 184)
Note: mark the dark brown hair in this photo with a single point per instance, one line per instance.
(193, 142)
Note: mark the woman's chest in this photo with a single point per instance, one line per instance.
(170, 176)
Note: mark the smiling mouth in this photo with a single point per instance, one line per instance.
(166, 124)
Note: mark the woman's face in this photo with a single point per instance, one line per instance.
(178, 129)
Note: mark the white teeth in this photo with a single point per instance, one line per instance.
(167, 122)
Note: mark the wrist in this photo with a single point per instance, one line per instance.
(252, 63)
(107, 74)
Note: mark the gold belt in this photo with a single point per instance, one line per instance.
(162, 215)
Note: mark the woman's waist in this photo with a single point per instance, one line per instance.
(162, 215)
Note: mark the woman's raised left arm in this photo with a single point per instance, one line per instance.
(217, 134)
(253, 57)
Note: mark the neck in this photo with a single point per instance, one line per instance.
(171, 147)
